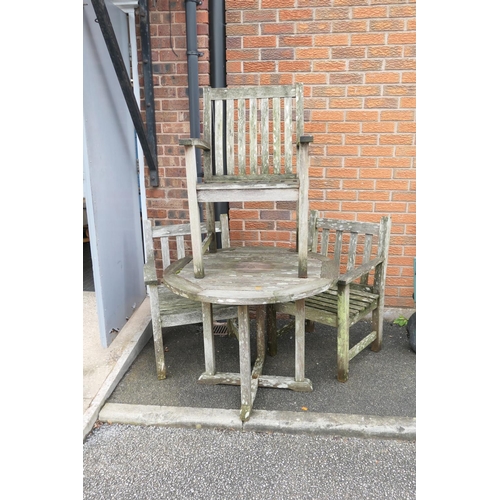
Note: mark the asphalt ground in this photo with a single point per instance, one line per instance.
(122, 462)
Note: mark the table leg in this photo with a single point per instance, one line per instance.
(245, 363)
(300, 341)
(208, 338)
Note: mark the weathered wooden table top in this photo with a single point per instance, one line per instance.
(250, 275)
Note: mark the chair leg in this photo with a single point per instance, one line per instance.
(378, 326)
(161, 369)
(343, 334)
(208, 337)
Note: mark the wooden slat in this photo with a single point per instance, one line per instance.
(264, 110)
(351, 256)
(255, 92)
(349, 226)
(207, 131)
(253, 136)
(165, 251)
(219, 138)
(230, 136)
(288, 134)
(241, 137)
(276, 136)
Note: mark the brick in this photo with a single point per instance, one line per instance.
(313, 3)
(408, 77)
(390, 208)
(383, 77)
(357, 206)
(277, 28)
(311, 78)
(242, 4)
(387, 25)
(330, 40)
(360, 162)
(396, 139)
(341, 195)
(295, 15)
(368, 39)
(366, 65)
(385, 51)
(241, 29)
(327, 139)
(342, 173)
(406, 151)
(378, 127)
(362, 116)
(296, 41)
(328, 66)
(294, 66)
(377, 151)
(260, 16)
(343, 127)
(403, 11)
(346, 78)
(407, 127)
(343, 150)
(327, 115)
(314, 53)
(259, 41)
(408, 102)
(382, 102)
(329, 91)
(242, 55)
(259, 67)
(348, 53)
(349, 26)
(401, 38)
(331, 13)
(397, 115)
(277, 4)
(394, 162)
(392, 185)
(374, 196)
(344, 103)
(275, 54)
(363, 90)
(375, 173)
(358, 184)
(403, 64)
(399, 90)
(369, 12)
(325, 206)
(313, 27)
(361, 139)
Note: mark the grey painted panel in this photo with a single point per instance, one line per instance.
(111, 181)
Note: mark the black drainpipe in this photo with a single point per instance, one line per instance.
(193, 84)
(217, 44)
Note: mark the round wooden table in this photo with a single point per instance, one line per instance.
(252, 276)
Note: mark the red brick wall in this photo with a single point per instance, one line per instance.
(356, 59)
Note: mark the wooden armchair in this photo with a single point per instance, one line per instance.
(167, 308)
(259, 132)
(361, 250)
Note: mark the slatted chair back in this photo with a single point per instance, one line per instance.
(360, 250)
(254, 149)
(164, 245)
(351, 244)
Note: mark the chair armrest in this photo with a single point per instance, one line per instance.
(197, 143)
(350, 276)
(150, 277)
